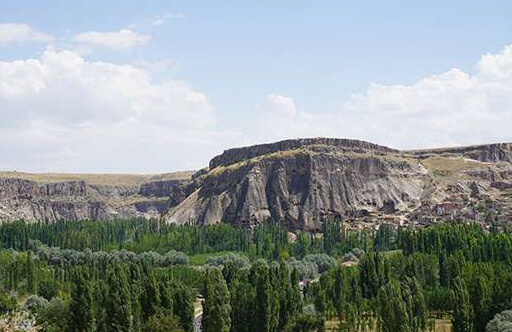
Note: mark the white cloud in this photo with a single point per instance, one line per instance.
(451, 108)
(63, 112)
(20, 32)
(67, 87)
(159, 65)
(282, 105)
(157, 20)
(161, 19)
(123, 39)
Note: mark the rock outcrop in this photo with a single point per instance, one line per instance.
(491, 153)
(31, 200)
(240, 154)
(300, 183)
(301, 187)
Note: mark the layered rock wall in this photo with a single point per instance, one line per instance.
(300, 183)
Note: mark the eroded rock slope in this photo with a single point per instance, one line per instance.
(300, 183)
(304, 182)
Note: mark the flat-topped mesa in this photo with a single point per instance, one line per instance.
(235, 155)
(52, 196)
(15, 188)
(486, 153)
(298, 182)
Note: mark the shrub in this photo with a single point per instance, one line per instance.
(239, 261)
(54, 316)
(162, 322)
(176, 258)
(35, 303)
(305, 323)
(306, 270)
(502, 322)
(323, 261)
(48, 288)
(8, 304)
(350, 257)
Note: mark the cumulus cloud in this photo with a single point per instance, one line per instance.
(66, 86)
(450, 108)
(159, 65)
(124, 39)
(63, 112)
(20, 32)
(280, 118)
(282, 105)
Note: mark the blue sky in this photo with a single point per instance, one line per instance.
(94, 86)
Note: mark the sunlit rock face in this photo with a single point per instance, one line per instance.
(300, 183)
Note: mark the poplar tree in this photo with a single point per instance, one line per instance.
(136, 292)
(183, 307)
(275, 287)
(287, 297)
(242, 303)
(418, 310)
(462, 318)
(339, 289)
(80, 307)
(30, 274)
(262, 311)
(150, 298)
(444, 273)
(118, 306)
(165, 295)
(393, 310)
(481, 301)
(296, 299)
(216, 306)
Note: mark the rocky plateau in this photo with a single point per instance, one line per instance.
(300, 183)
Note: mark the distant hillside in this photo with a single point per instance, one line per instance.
(125, 180)
(300, 183)
(54, 196)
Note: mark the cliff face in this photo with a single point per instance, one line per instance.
(80, 199)
(305, 182)
(19, 188)
(303, 186)
(492, 153)
(301, 183)
(239, 154)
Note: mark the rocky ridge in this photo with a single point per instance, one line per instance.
(32, 200)
(300, 183)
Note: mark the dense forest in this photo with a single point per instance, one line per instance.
(143, 275)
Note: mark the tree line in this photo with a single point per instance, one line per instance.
(397, 280)
(268, 240)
